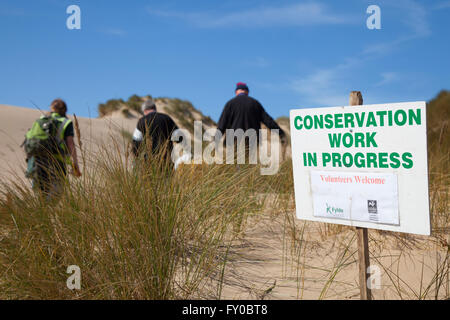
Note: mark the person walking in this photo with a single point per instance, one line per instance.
(50, 148)
(153, 133)
(244, 112)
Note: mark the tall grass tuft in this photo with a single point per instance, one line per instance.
(136, 232)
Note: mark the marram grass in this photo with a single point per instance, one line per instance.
(141, 232)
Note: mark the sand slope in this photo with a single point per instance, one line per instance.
(15, 122)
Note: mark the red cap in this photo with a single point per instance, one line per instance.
(242, 86)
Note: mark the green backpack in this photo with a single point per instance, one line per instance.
(43, 140)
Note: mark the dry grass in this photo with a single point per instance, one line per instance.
(139, 233)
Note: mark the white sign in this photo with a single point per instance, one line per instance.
(369, 197)
(362, 166)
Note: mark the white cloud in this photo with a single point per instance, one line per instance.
(330, 86)
(114, 32)
(414, 16)
(324, 87)
(12, 12)
(258, 62)
(442, 5)
(387, 78)
(300, 14)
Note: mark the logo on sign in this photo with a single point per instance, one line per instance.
(372, 206)
(334, 210)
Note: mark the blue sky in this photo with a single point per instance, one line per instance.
(292, 54)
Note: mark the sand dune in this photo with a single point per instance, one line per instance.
(261, 266)
(95, 132)
(15, 122)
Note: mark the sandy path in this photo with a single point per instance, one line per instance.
(262, 266)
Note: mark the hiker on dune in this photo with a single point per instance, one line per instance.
(50, 148)
(244, 112)
(153, 133)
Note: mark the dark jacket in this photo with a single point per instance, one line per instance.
(156, 126)
(244, 112)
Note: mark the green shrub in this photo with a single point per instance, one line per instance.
(110, 106)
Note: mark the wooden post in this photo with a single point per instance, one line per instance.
(364, 263)
(356, 99)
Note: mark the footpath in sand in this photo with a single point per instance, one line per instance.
(265, 265)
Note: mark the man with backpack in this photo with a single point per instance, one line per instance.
(50, 147)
